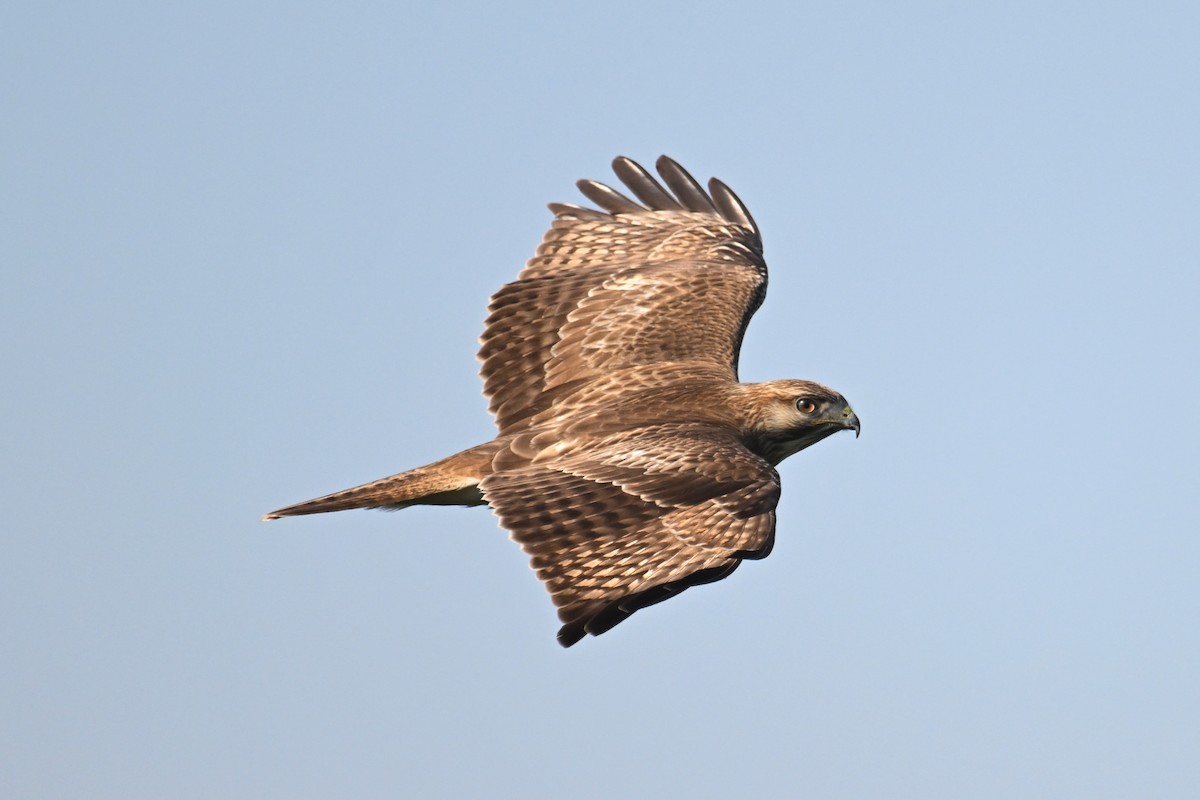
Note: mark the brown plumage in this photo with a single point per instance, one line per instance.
(630, 462)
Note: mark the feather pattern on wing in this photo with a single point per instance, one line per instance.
(674, 280)
(626, 520)
(630, 463)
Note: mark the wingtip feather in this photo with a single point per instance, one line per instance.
(685, 187)
(608, 198)
(643, 185)
(731, 206)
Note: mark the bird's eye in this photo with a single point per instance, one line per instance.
(806, 406)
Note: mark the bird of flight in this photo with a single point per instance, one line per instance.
(630, 463)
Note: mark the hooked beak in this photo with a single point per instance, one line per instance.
(850, 421)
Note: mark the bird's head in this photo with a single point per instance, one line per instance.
(789, 415)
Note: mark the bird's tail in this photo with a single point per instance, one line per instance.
(453, 481)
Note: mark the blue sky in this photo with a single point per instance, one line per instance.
(246, 254)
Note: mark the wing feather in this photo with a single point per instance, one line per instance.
(608, 198)
(677, 279)
(644, 186)
(685, 187)
(731, 206)
(636, 517)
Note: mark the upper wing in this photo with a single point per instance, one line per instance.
(628, 520)
(675, 278)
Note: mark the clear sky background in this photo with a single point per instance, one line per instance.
(246, 253)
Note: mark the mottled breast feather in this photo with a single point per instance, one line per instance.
(673, 278)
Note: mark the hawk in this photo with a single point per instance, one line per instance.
(630, 462)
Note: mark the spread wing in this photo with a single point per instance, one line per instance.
(674, 278)
(624, 521)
